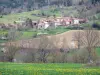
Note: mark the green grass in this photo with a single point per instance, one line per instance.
(46, 69)
(26, 34)
(15, 17)
(30, 33)
(59, 30)
(54, 31)
(98, 51)
(3, 32)
(2, 41)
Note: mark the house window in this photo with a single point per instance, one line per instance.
(41, 26)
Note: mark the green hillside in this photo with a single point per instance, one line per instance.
(15, 17)
(37, 14)
(50, 12)
(32, 15)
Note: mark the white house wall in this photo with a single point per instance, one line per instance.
(76, 21)
(46, 25)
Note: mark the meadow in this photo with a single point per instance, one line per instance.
(31, 33)
(46, 69)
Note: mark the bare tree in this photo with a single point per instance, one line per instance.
(89, 39)
(77, 37)
(10, 53)
(12, 34)
(43, 53)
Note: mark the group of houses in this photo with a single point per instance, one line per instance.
(45, 23)
(60, 21)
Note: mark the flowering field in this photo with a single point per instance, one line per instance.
(46, 69)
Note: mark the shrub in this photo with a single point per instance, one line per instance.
(96, 25)
(1, 16)
(10, 53)
(35, 35)
(80, 56)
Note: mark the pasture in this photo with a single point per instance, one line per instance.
(27, 34)
(46, 69)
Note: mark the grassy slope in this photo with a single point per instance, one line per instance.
(46, 69)
(69, 11)
(15, 17)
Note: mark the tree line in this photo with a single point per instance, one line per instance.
(7, 6)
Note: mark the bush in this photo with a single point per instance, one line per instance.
(35, 35)
(81, 56)
(1, 16)
(96, 25)
(24, 56)
(10, 53)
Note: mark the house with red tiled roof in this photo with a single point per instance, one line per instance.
(59, 21)
(83, 20)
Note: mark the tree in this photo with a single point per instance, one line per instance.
(25, 55)
(12, 34)
(95, 1)
(69, 2)
(1, 56)
(29, 23)
(81, 2)
(10, 53)
(89, 39)
(77, 37)
(43, 53)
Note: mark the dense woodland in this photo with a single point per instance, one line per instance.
(16, 6)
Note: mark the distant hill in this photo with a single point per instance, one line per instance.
(72, 11)
(13, 6)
